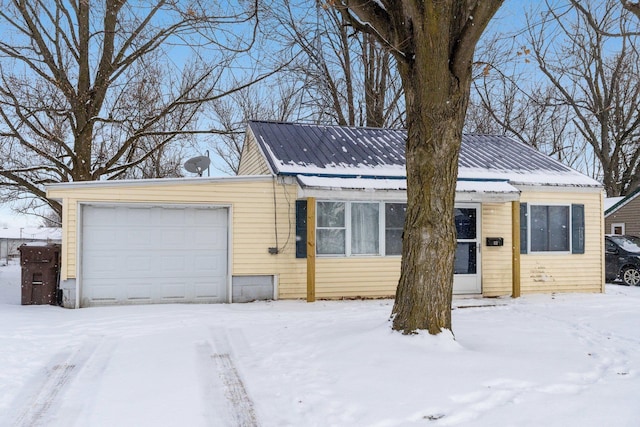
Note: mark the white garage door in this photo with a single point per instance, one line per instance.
(153, 254)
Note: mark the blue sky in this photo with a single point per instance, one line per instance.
(509, 19)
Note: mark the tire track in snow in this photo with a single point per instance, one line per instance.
(235, 391)
(87, 382)
(38, 402)
(239, 404)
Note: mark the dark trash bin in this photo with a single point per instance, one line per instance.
(40, 272)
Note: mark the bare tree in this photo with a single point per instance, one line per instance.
(588, 54)
(631, 6)
(335, 76)
(507, 99)
(349, 78)
(51, 219)
(277, 99)
(100, 90)
(433, 43)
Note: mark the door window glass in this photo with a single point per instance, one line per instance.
(465, 219)
(465, 258)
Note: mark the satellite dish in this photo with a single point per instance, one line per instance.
(197, 164)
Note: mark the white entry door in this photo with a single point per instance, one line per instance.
(153, 254)
(467, 277)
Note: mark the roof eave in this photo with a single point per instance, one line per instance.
(622, 202)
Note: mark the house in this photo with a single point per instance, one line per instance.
(526, 224)
(622, 214)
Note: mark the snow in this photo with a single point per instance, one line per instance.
(401, 184)
(609, 202)
(628, 243)
(541, 177)
(630, 247)
(515, 177)
(352, 183)
(552, 360)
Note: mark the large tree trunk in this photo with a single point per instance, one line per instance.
(436, 100)
(433, 43)
(426, 279)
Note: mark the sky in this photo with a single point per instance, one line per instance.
(10, 219)
(552, 360)
(509, 18)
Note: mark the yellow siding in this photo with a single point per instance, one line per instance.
(567, 272)
(252, 162)
(253, 230)
(69, 241)
(496, 261)
(352, 277)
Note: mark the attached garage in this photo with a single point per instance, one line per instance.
(137, 254)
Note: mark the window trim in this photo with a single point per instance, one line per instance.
(569, 251)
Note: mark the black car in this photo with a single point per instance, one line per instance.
(622, 259)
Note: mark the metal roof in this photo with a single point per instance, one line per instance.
(325, 150)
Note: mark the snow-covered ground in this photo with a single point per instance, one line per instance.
(543, 360)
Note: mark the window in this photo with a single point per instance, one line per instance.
(393, 227)
(617, 228)
(364, 228)
(359, 228)
(466, 234)
(550, 228)
(331, 228)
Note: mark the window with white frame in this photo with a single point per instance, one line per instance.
(365, 223)
(359, 228)
(393, 227)
(550, 228)
(331, 228)
(617, 228)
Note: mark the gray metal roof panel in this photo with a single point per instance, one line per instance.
(340, 150)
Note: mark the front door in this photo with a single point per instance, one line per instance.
(466, 279)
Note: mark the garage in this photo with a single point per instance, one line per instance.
(134, 254)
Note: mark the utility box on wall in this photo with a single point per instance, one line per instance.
(40, 271)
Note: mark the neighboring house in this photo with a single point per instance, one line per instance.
(317, 212)
(622, 214)
(12, 238)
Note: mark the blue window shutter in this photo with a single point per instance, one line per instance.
(577, 229)
(301, 228)
(523, 228)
